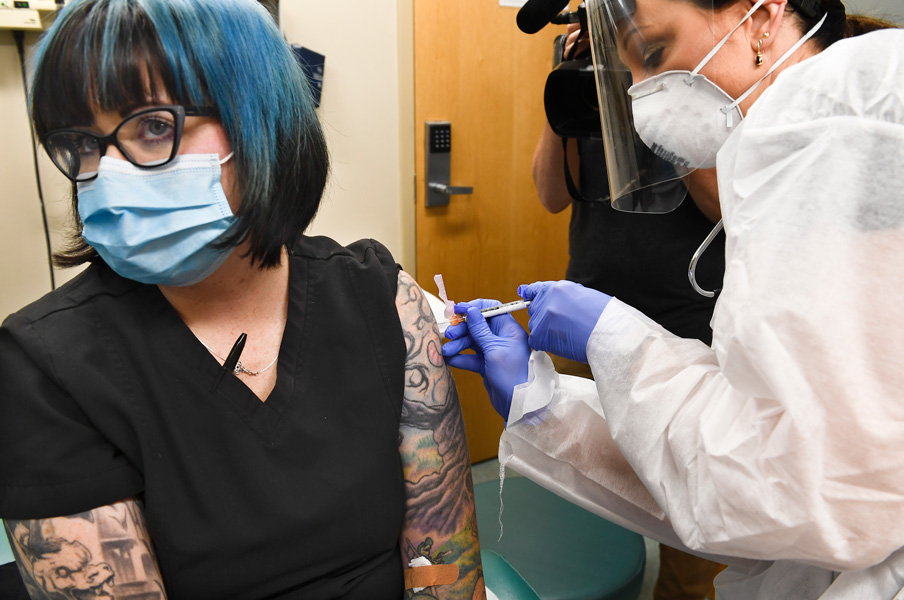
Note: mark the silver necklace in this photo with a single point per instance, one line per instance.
(239, 367)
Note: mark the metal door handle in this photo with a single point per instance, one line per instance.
(438, 138)
(450, 190)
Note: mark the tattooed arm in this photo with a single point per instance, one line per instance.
(104, 553)
(440, 523)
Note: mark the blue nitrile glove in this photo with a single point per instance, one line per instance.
(501, 351)
(562, 316)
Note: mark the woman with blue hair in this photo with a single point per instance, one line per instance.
(144, 450)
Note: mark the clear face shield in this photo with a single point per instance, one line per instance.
(663, 126)
(668, 123)
(639, 180)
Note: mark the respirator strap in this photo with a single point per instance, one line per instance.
(718, 46)
(727, 110)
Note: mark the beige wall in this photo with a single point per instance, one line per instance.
(366, 111)
(24, 271)
(892, 10)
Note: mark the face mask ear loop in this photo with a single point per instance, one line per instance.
(729, 110)
(226, 159)
(693, 76)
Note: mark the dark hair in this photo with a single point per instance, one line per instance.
(99, 54)
(838, 25)
(860, 24)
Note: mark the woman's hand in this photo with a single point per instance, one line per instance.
(562, 316)
(576, 36)
(500, 346)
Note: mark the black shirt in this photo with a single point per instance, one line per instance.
(642, 259)
(105, 394)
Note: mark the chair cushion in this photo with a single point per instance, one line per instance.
(503, 580)
(563, 551)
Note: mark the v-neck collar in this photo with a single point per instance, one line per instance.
(264, 417)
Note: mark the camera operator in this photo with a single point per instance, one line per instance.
(642, 259)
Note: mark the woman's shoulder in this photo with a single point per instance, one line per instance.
(862, 76)
(97, 280)
(365, 254)
(887, 39)
(325, 248)
(69, 316)
(861, 63)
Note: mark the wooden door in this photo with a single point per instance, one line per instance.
(475, 69)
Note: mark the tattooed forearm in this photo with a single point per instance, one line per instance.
(440, 522)
(104, 553)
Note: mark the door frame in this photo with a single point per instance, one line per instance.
(407, 129)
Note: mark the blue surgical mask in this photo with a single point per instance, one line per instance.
(158, 226)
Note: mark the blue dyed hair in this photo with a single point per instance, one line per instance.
(117, 55)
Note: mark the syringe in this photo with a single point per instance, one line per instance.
(493, 311)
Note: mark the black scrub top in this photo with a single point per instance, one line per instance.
(642, 259)
(105, 394)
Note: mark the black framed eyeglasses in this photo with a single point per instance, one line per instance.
(147, 139)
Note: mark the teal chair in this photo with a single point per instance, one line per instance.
(503, 580)
(562, 551)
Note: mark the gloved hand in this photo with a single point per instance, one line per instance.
(562, 316)
(501, 350)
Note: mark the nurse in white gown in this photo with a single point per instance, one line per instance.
(778, 451)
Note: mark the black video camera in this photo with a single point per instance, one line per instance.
(572, 108)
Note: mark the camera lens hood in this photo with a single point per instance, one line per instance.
(572, 108)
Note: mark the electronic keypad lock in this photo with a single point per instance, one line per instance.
(438, 155)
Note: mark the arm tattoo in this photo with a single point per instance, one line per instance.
(105, 553)
(440, 522)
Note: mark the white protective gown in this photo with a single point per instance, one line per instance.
(785, 441)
